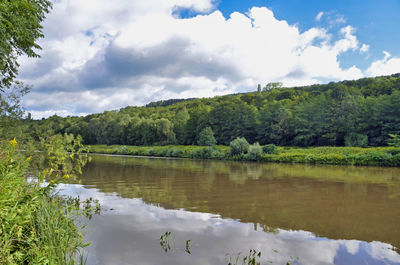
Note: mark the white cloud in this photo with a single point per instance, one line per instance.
(348, 42)
(319, 16)
(386, 66)
(364, 48)
(132, 52)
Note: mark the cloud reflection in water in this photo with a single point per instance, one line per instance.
(129, 235)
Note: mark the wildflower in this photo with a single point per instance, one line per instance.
(52, 182)
(13, 142)
(66, 176)
(29, 158)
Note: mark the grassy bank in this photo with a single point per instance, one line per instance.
(374, 156)
(36, 226)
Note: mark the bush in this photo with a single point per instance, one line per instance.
(205, 153)
(269, 149)
(150, 152)
(206, 137)
(124, 150)
(255, 152)
(239, 146)
(177, 152)
(170, 152)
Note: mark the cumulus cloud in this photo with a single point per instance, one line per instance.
(386, 66)
(100, 55)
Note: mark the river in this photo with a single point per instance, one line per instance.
(217, 211)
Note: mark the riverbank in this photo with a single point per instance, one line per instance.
(372, 156)
(36, 225)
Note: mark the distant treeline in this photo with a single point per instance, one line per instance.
(350, 113)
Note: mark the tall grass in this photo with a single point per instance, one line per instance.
(36, 226)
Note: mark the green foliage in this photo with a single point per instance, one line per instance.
(206, 137)
(173, 152)
(349, 113)
(20, 28)
(233, 118)
(377, 156)
(274, 124)
(372, 156)
(239, 146)
(255, 152)
(150, 152)
(394, 140)
(269, 149)
(180, 120)
(356, 139)
(36, 226)
(271, 86)
(210, 152)
(10, 110)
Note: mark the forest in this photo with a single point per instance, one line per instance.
(364, 112)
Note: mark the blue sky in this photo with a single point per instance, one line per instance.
(102, 55)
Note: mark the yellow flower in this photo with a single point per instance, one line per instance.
(29, 158)
(52, 182)
(66, 176)
(13, 142)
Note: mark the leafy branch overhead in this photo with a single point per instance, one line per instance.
(20, 28)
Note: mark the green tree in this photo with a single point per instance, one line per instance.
(271, 86)
(233, 118)
(199, 119)
(147, 130)
(20, 28)
(164, 132)
(274, 124)
(206, 137)
(179, 120)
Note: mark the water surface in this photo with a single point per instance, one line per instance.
(299, 213)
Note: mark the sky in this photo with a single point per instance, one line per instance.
(100, 55)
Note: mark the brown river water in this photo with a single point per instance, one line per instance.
(303, 214)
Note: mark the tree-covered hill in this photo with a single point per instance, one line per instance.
(349, 113)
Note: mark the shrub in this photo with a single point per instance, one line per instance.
(177, 152)
(124, 150)
(150, 152)
(172, 152)
(255, 152)
(205, 153)
(206, 137)
(239, 146)
(269, 149)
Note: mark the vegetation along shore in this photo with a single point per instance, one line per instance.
(372, 156)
